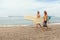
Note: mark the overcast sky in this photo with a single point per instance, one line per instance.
(29, 7)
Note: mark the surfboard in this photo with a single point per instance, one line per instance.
(29, 17)
(49, 17)
(34, 19)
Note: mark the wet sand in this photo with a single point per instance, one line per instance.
(29, 33)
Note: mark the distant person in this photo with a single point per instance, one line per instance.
(45, 18)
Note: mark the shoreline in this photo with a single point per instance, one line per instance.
(50, 24)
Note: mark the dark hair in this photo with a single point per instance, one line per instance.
(38, 12)
(45, 12)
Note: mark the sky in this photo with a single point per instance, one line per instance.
(29, 7)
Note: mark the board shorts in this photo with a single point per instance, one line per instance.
(45, 24)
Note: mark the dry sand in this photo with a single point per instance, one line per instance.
(29, 33)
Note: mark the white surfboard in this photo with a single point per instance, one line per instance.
(34, 19)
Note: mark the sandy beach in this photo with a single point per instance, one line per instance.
(29, 33)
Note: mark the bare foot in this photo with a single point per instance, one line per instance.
(42, 29)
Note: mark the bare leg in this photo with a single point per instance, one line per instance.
(42, 29)
(36, 27)
(47, 28)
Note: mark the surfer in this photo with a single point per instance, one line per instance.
(45, 18)
(38, 16)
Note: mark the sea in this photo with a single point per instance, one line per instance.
(19, 20)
